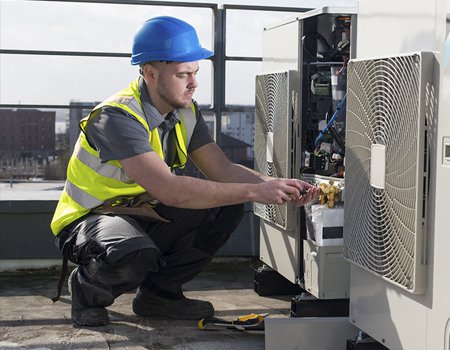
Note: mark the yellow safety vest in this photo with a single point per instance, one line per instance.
(90, 183)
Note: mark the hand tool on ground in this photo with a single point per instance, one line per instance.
(247, 322)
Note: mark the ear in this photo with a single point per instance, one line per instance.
(150, 73)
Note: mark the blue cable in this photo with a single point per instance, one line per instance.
(335, 114)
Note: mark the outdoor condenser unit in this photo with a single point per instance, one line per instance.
(397, 170)
(397, 188)
(304, 73)
(276, 149)
(295, 94)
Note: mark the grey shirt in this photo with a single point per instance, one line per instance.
(116, 134)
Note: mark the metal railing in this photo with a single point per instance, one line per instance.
(218, 60)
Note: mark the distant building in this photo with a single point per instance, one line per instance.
(237, 122)
(26, 133)
(78, 110)
(235, 150)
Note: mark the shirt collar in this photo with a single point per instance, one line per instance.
(154, 118)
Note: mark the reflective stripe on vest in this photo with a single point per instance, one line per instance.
(106, 169)
(81, 197)
(89, 182)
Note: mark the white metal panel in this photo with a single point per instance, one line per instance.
(280, 250)
(389, 27)
(308, 333)
(281, 48)
(327, 274)
(438, 334)
(386, 313)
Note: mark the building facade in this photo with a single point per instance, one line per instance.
(26, 133)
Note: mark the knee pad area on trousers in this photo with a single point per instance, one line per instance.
(133, 267)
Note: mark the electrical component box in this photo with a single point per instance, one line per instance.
(327, 273)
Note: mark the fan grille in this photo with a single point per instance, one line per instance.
(384, 226)
(272, 115)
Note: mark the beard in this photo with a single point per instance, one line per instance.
(171, 100)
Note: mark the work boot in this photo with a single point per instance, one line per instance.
(85, 316)
(149, 304)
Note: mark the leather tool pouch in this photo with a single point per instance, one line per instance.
(141, 205)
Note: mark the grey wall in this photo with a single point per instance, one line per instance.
(25, 232)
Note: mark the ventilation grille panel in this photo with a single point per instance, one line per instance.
(386, 167)
(275, 116)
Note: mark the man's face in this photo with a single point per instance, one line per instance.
(176, 83)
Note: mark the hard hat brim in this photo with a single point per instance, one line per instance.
(190, 56)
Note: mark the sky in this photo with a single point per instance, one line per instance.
(68, 26)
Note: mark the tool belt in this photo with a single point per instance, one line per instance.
(141, 205)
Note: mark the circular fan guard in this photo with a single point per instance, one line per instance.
(382, 226)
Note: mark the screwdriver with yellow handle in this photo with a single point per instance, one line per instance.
(247, 322)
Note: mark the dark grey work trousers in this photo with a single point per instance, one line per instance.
(116, 254)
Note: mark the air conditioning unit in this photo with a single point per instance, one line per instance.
(296, 96)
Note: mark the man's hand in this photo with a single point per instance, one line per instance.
(281, 191)
(312, 193)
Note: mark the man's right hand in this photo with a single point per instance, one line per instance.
(281, 191)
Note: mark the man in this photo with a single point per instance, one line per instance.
(126, 218)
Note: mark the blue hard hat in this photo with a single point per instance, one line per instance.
(167, 38)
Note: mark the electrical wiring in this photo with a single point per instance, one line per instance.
(335, 115)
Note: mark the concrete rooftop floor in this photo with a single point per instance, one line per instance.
(29, 320)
